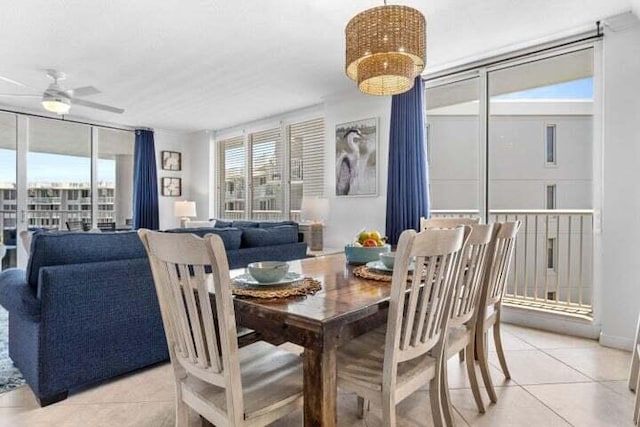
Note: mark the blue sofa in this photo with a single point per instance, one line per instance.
(86, 310)
(249, 241)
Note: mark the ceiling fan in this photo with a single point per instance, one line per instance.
(59, 100)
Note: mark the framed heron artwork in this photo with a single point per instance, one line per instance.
(357, 158)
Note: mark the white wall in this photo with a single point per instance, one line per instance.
(200, 173)
(620, 293)
(171, 141)
(348, 215)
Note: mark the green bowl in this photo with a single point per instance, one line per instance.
(357, 255)
(268, 271)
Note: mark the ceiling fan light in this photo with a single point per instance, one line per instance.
(55, 104)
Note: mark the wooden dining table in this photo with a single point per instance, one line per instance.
(345, 307)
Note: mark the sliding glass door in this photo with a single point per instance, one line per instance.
(515, 141)
(454, 149)
(8, 190)
(56, 175)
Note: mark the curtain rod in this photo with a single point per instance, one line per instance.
(520, 53)
(73, 121)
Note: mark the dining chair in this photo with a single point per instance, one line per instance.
(107, 226)
(495, 279)
(464, 310)
(426, 223)
(74, 225)
(252, 386)
(388, 364)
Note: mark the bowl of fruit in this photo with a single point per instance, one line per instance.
(366, 247)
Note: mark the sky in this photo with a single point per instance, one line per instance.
(43, 167)
(575, 89)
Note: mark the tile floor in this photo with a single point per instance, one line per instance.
(557, 381)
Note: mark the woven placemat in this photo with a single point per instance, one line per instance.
(306, 286)
(368, 273)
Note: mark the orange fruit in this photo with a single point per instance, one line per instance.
(370, 243)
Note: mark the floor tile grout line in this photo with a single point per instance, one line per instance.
(548, 407)
(566, 364)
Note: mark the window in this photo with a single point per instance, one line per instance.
(551, 197)
(115, 175)
(306, 173)
(266, 165)
(271, 194)
(550, 144)
(232, 176)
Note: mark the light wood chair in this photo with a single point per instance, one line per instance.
(252, 386)
(388, 364)
(427, 223)
(496, 274)
(464, 310)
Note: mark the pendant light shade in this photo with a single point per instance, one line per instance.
(386, 49)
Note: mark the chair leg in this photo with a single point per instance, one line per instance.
(388, 413)
(461, 356)
(473, 378)
(445, 399)
(182, 413)
(497, 338)
(636, 409)
(481, 342)
(361, 404)
(435, 396)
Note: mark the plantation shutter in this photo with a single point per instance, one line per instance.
(232, 178)
(266, 175)
(307, 144)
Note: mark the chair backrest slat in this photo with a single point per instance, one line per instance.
(501, 254)
(473, 260)
(429, 223)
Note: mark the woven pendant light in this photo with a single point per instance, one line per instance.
(386, 49)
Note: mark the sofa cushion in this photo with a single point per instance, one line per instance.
(270, 224)
(60, 248)
(230, 236)
(219, 223)
(245, 224)
(280, 235)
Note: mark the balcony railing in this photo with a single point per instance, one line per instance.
(552, 267)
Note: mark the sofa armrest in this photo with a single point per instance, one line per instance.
(16, 296)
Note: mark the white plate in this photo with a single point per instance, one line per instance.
(379, 266)
(247, 280)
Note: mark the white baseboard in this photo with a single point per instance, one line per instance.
(550, 322)
(621, 343)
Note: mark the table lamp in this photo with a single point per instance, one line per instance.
(184, 210)
(315, 210)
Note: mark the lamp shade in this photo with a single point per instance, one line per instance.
(315, 209)
(386, 49)
(184, 209)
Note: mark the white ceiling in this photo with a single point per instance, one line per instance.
(208, 64)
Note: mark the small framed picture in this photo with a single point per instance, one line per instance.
(171, 187)
(171, 161)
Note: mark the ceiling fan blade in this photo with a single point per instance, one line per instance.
(97, 106)
(20, 95)
(8, 80)
(83, 91)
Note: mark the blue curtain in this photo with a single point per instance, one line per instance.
(145, 183)
(407, 185)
